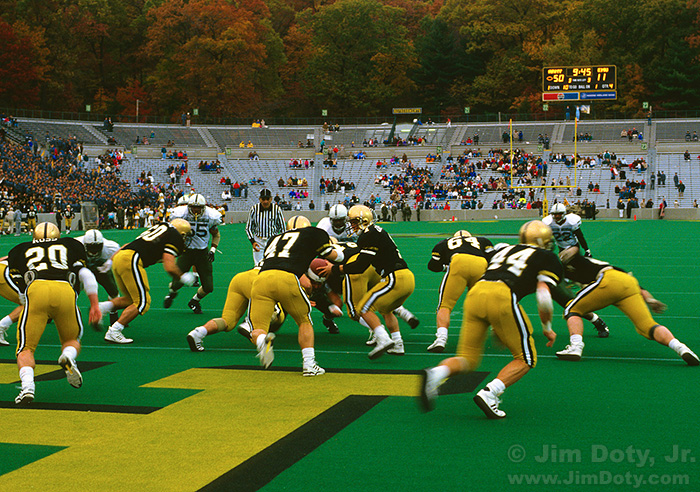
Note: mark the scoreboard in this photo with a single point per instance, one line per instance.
(579, 83)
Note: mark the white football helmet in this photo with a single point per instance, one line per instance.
(93, 241)
(558, 212)
(338, 215)
(196, 205)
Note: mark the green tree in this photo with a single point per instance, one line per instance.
(356, 58)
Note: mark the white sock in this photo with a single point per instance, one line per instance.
(497, 387)
(594, 317)
(196, 297)
(380, 332)
(441, 332)
(676, 345)
(200, 331)
(576, 339)
(106, 306)
(70, 352)
(396, 336)
(117, 326)
(260, 341)
(26, 375)
(5, 323)
(309, 355)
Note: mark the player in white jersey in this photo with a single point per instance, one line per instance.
(205, 223)
(566, 230)
(99, 261)
(337, 225)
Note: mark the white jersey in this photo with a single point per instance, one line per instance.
(201, 227)
(345, 235)
(109, 247)
(564, 233)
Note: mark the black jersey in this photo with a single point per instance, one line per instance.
(153, 242)
(48, 259)
(521, 266)
(293, 251)
(376, 249)
(447, 248)
(585, 270)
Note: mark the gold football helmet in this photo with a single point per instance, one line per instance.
(463, 233)
(536, 233)
(297, 222)
(360, 217)
(46, 230)
(182, 226)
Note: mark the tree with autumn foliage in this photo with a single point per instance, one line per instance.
(219, 56)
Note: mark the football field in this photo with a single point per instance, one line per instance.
(154, 416)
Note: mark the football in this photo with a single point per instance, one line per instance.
(314, 271)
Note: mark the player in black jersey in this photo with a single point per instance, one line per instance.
(513, 273)
(378, 250)
(49, 271)
(162, 242)
(287, 257)
(464, 259)
(606, 285)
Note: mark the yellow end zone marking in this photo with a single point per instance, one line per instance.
(9, 372)
(237, 414)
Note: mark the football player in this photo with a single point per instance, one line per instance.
(606, 285)
(337, 225)
(99, 260)
(204, 222)
(286, 258)
(464, 259)
(397, 282)
(513, 273)
(566, 230)
(237, 301)
(162, 242)
(49, 271)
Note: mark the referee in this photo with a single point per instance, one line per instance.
(265, 220)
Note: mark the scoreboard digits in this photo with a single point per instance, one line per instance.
(590, 82)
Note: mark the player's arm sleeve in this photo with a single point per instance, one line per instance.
(87, 278)
(360, 262)
(435, 263)
(581, 239)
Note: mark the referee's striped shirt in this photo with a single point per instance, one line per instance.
(265, 223)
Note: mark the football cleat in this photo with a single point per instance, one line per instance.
(488, 402)
(689, 357)
(25, 397)
(428, 390)
(397, 349)
(115, 336)
(438, 345)
(602, 328)
(75, 379)
(571, 352)
(330, 324)
(195, 341)
(195, 306)
(245, 330)
(265, 353)
(372, 340)
(383, 344)
(168, 301)
(2, 338)
(313, 370)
